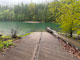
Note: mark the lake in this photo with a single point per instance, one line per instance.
(22, 27)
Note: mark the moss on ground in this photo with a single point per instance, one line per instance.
(25, 34)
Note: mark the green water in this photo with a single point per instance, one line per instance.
(22, 28)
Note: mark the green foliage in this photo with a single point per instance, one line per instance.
(78, 32)
(4, 36)
(68, 14)
(6, 15)
(1, 46)
(25, 35)
(27, 12)
(8, 43)
(53, 8)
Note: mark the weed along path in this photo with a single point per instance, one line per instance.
(38, 46)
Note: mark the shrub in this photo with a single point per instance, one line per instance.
(4, 36)
(78, 32)
(8, 43)
(1, 46)
(14, 33)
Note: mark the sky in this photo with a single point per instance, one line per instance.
(14, 2)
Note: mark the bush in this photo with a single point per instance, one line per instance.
(5, 44)
(8, 43)
(1, 46)
(4, 36)
(78, 32)
(13, 33)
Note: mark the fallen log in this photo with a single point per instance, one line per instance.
(49, 30)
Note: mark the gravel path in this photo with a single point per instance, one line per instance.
(37, 46)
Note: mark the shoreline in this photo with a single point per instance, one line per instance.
(31, 22)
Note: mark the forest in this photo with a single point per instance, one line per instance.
(26, 12)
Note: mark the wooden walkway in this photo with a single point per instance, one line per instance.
(38, 46)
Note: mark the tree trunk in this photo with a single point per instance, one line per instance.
(71, 32)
